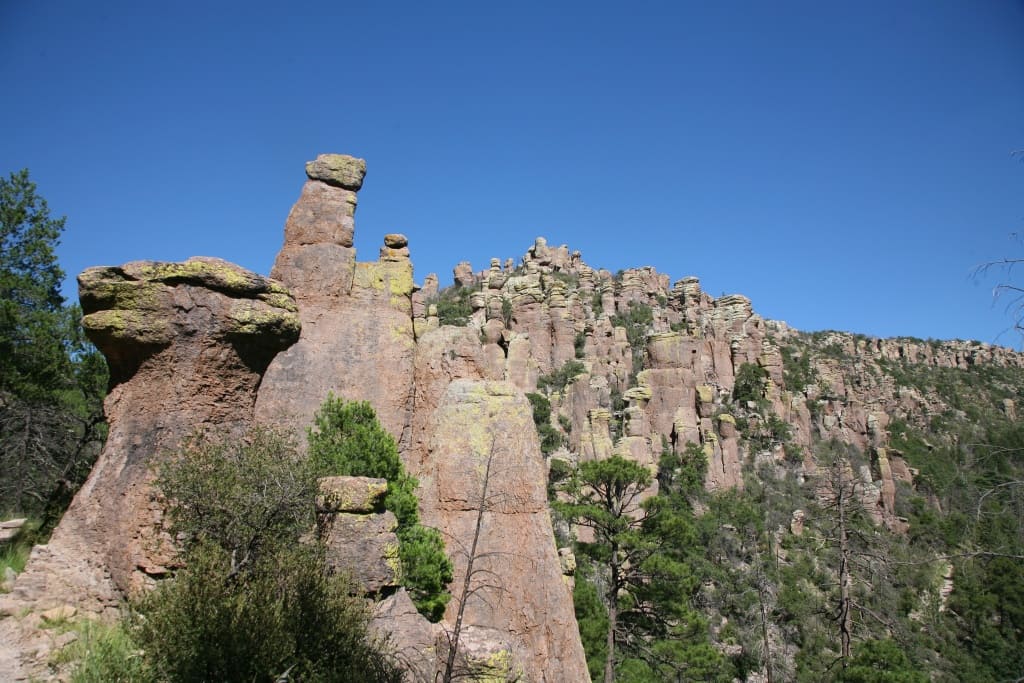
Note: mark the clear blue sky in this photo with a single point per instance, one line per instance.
(842, 164)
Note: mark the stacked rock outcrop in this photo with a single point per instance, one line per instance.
(357, 336)
(187, 344)
(359, 341)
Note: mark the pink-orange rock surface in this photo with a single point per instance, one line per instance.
(187, 344)
(205, 343)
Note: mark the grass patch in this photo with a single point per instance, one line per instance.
(104, 653)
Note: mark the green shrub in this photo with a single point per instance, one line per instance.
(797, 372)
(254, 601)
(579, 345)
(347, 439)
(240, 495)
(750, 383)
(557, 380)
(550, 438)
(637, 320)
(453, 306)
(285, 616)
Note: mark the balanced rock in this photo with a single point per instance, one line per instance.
(395, 240)
(186, 344)
(339, 170)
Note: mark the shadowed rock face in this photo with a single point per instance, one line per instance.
(187, 344)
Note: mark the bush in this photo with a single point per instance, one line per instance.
(637, 320)
(347, 439)
(557, 380)
(240, 495)
(254, 601)
(797, 372)
(286, 616)
(751, 380)
(579, 345)
(453, 307)
(550, 438)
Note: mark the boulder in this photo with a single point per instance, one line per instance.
(363, 544)
(339, 170)
(351, 494)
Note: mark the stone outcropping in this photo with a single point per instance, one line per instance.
(187, 344)
(357, 335)
(358, 533)
(358, 341)
(206, 344)
(484, 463)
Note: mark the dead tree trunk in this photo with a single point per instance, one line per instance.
(467, 587)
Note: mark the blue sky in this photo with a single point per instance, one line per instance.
(844, 165)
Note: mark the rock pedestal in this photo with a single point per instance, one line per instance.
(357, 333)
(187, 344)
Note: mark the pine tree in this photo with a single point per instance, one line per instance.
(52, 380)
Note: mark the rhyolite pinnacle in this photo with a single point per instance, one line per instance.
(339, 170)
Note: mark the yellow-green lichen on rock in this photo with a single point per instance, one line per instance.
(127, 325)
(638, 393)
(113, 292)
(393, 560)
(340, 170)
(498, 667)
(211, 273)
(140, 303)
(393, 277)
(252, 318)
(351, 494)
(279, 300)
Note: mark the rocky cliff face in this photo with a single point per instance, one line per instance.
(660, 364)
(358, 341)
(187, 344)
(357, 337)
(646, 365)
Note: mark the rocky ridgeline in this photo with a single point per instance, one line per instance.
(670, 379)
(207, 344)
(673, 371)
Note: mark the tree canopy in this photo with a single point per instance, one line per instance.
(347, 439)
(52, 380)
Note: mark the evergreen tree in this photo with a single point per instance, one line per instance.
(33, 359)
(347, 439)
(645, 555)
(52, 380)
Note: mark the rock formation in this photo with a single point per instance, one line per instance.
(483, 462)
(357, 335)
(207, 344)
(358, 342)
(187, 344)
